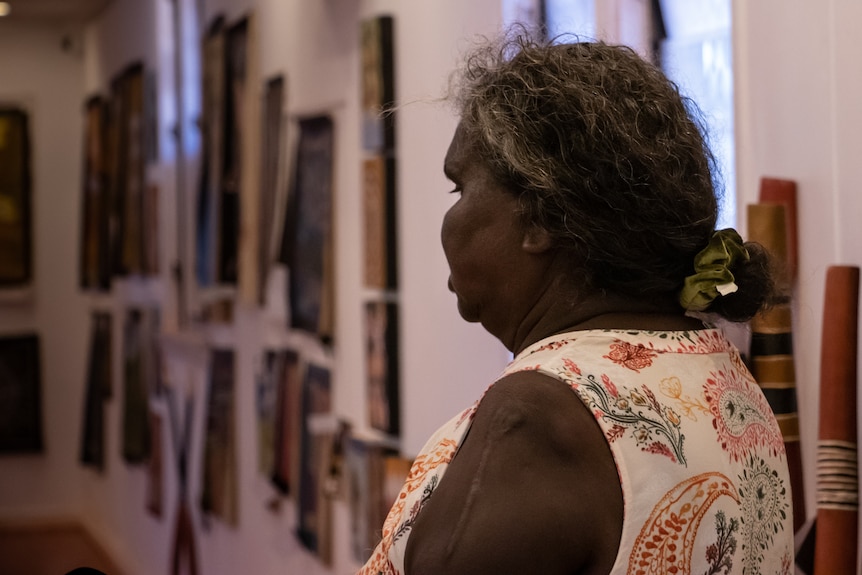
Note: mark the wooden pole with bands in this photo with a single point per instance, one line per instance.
(771, 353)
(837, 451)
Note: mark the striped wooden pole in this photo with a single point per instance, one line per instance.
(771, 353)
(837, 452)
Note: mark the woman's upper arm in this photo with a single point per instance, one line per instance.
(533, 488)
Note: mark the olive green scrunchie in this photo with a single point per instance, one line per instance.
(712, 277)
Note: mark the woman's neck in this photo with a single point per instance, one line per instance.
(554, 314)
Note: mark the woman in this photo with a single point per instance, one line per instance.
(626, 436)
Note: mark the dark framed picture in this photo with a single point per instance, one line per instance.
(378, 87)
(288, 421)
(235, 134)
(273, 105)
(136, 395)
(381, 364)
(20, 388)
(95, 240)
(219, 493)
(380, 242)
(16, 265)
(307, 243)
(208, 205)
(99, 388)
(312, 505)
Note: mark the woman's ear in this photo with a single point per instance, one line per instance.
(536, 240)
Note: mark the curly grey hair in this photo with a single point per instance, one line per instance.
(605, 154)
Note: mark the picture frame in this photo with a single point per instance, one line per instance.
(20, 386)
(16, 204)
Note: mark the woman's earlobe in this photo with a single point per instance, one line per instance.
(536, 240)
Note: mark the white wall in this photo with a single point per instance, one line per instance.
(36, 72)
(446, 364)
(798, 86)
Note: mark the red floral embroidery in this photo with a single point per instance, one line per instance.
(571, 366)
(634, 357)
(609, 385)
(741, 416)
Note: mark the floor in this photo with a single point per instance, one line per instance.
(50, 550)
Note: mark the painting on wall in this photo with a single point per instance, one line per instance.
(95, 256)
(377, 83)
(99, 388)
(208, 211)
(136, 410)
(381, 364)
(20, 388)
(16, 266)
(273, 102)
(307, 240)
(380, 254)
(313, 508)
(236, 54)
(155, 468)
(288, 421)
(219, 490)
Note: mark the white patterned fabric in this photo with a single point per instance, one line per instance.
(699, 454)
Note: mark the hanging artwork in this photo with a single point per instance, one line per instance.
(155, 468)
(99, 388)
(136, 411)
(95, 242)
(20, 388)
(208, 209)
(381, 363)
(288, 421)
(132, 240)
(380, 222)
(378, 91)
(307, 244)
(234, 140)
(219, 490)
(16, 267)
(273, 105)
(313, 507)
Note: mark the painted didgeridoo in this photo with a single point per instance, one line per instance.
(783, 192)
(771, 353)
(837, 450)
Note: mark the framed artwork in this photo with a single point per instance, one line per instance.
(219, 492)
(95, 241)
(136, 410)
(20, 388)
(377, 82)
(381, 365)
(99, 388)
(155, 468)
(312, 506)
(133, 162)
(208, 210)
(379, 228)
(116, 163)
(273, 105)
(307, 243)
(16, 265)
(234, 139)
(288, 421)
(357, 458)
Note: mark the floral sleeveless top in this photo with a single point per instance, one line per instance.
(699, 454)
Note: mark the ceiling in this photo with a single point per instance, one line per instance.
(57, 10)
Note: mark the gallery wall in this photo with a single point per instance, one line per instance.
(798, 85)
(49, 85)
(444, 363)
